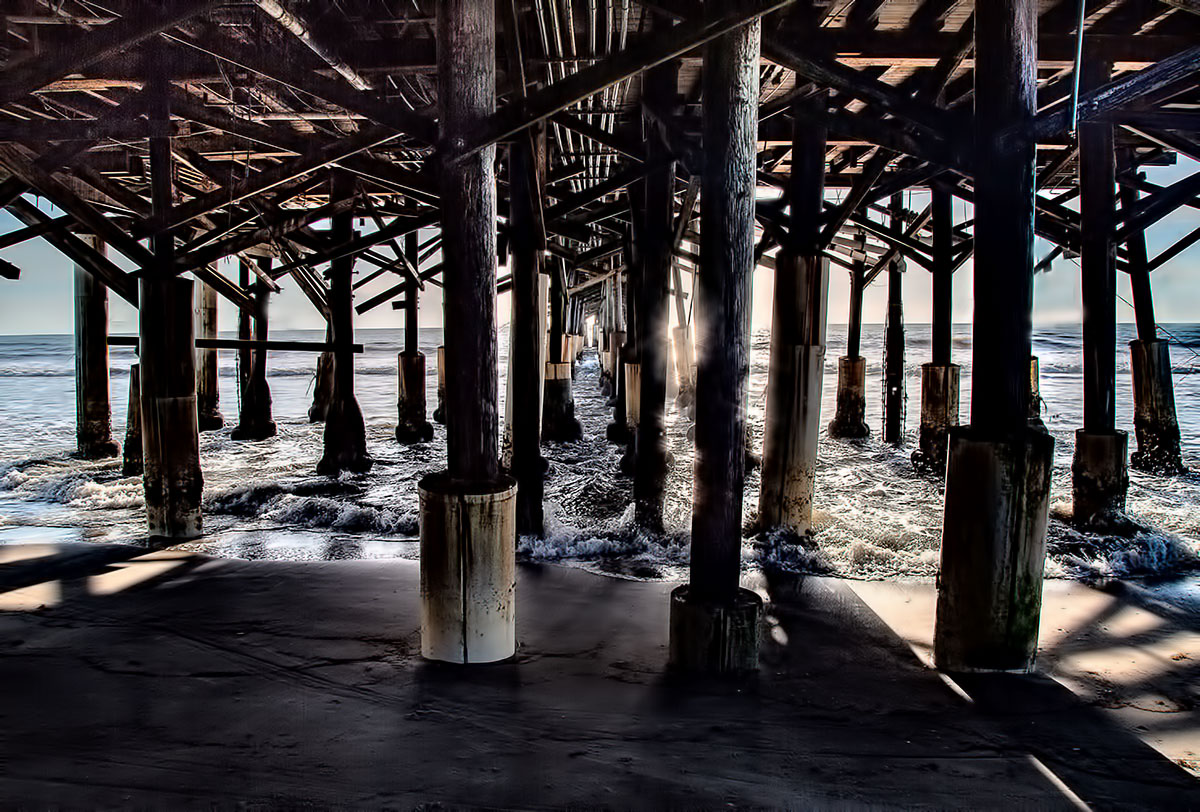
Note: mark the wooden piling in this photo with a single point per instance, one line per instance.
(527, 167)
(1099, 474)
(468, 513)
(93, 408)
(254, 418)
(345, 430)
(170, 429)
(850, 418)
(998, 470)
(411, 425)
(558, 400)
(131, 458)
(939, 377)
(660, 88)
(797, 363)
(893, 341)
(208, 397)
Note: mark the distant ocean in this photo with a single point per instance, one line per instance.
(876, 517)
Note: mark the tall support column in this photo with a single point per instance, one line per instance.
(524, 352)
(797, 366)
(650, 466)
(468, 513)
(1100, 478)
(170, 429)
(411, 424)
(345, 431)
(208, 398)
(558, 402)
(893, 339)
(714, 622)
(245, 330)
(850, 420)
(1154, 420)
(939, 378)
(254, 419)
(93, 407)
(998, 468)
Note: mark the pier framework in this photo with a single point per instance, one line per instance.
(638, 155)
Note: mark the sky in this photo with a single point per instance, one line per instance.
(40, 302)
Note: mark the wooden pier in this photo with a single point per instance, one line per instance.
(638, 161)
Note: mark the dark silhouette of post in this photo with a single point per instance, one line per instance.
(998, 469)
(714, 622)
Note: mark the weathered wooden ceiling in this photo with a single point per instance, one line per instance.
(270, 96)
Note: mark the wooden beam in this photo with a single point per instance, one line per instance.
(39, 70)
(621, 64)
(78, 251)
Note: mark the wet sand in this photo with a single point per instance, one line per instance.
(170, 679)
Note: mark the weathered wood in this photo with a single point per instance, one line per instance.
(660, 86)
(893, 354)
(208, 396)
(1005, 92)
(467, 76)
(619, 65)
(527, 164)
(797, 362)
(999, 469)
(345, 439)
(170, 433)
(93, 412)
(254, 418)
(942, 212)
(730, 99)
(1097, 181)
(37, 71)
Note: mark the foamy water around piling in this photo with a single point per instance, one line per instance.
(876, 518)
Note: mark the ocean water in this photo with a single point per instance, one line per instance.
(876, 517)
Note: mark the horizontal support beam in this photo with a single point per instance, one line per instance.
(271, 345)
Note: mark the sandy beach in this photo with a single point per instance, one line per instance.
(172, 679)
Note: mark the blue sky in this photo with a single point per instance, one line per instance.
(40, 302)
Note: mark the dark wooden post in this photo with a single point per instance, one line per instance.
(245, 333)
(998, 477)
(797, 364)
(208, 397)
(93, 408)
(170, 429)
(1154, 419)
(893, 352)
(1100, 477)
(468, 513)
(254, 418)
(714, 623)
(411, 424)
(345, 431)
(650, 466)
(526, 169)
(941, 333)
(467, 81)
(850, 419)
(558, 400)
(940, 377)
